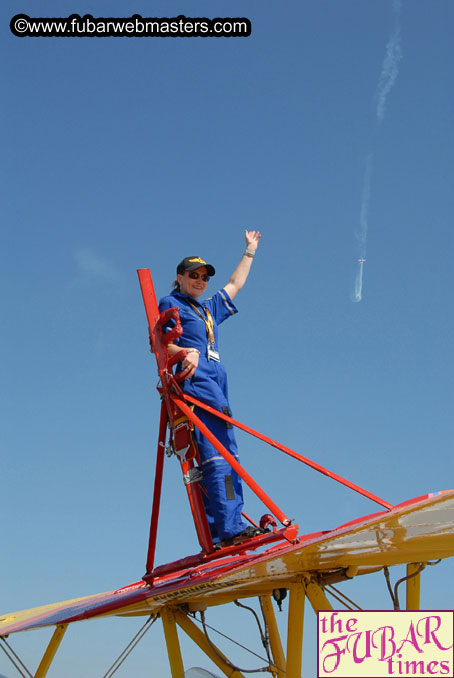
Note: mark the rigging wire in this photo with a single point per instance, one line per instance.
(263, 633)
(130, 647)
(409, 576)
(27, 673)
(391, 592)
(216, 651)
(224, 659)
(341, 597)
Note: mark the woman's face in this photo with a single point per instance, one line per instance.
(193, 283)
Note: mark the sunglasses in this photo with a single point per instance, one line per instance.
(195, 276)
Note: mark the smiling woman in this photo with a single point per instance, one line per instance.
(192, 276)
(205, 378)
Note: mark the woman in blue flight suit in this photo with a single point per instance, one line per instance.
(205, 378)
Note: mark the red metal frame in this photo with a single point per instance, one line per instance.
(169, 414)
(197, 509)
(289, 533)
(157, 489)
(175, 406)
(269, 503)
(290, 452)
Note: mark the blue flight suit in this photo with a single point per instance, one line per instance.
(209, 385)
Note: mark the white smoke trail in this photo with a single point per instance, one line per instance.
(358, 295)
(388, 76)
(364, 214)
(361, 235)
(390, 67)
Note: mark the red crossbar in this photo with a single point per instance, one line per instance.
(269, 503)
(290, 452)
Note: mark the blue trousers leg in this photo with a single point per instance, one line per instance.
(223, 485)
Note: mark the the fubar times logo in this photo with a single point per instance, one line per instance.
(381, 644)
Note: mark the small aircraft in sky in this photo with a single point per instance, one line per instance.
(268, 566)
(361, 261)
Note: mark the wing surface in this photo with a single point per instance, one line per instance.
(415, 531)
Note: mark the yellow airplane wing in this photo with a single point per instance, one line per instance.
(416, 531)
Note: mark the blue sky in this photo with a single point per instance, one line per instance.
(127, 153)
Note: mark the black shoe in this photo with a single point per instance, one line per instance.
(247, 533)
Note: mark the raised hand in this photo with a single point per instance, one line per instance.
(252, 239)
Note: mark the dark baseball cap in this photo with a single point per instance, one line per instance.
(192, 263)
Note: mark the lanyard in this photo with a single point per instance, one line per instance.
(208, 322)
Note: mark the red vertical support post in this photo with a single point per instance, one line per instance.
(196, 503)
(149, 297)
(169, 412)
(157, 489)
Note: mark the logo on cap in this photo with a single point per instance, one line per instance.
(198, 260)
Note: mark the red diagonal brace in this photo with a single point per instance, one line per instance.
(290, 452)
(275, 510)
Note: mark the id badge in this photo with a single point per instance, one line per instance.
(212, 354)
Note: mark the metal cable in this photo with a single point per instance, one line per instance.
(410, 576)
(391, 592)
(263, 634)
(222, 657)
(27, 673)
(341, 597)
(266, 640)
(130, 647)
